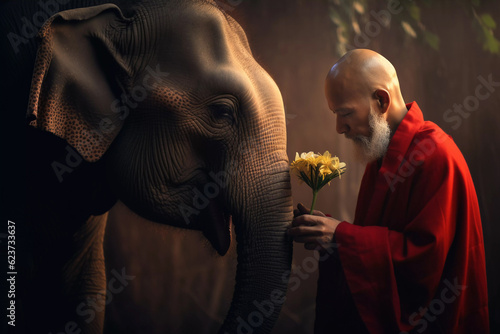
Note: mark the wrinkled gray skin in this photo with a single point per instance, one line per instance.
(197, 104)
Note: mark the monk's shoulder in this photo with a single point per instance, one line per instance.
(438, 149)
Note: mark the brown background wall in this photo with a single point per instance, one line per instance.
(182, 286)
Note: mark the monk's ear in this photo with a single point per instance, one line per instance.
(79, 75)
(383, 98)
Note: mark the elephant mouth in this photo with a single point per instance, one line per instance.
(217, 227)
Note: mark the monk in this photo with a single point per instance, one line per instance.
(413, 260)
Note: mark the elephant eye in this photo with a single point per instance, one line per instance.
(223, 110)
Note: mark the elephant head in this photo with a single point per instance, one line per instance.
(190, 127)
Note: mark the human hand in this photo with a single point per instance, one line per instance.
(302, 210)
(314, 231)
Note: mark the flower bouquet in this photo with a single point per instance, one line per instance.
(317, 170)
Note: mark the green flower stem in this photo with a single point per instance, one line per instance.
(315, 193)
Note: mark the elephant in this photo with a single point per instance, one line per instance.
(160, 105)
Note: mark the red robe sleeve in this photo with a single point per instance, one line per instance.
(414, 259)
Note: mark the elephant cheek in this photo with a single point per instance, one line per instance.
(217, 229)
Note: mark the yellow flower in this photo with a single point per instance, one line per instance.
(304, 163)
(317, 170)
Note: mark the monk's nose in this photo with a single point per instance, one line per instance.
(341, 126)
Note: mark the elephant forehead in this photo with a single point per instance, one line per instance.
(206, 53)
(201, 37)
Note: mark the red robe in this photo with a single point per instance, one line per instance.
(413, 261)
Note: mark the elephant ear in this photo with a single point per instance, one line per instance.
(79, 76)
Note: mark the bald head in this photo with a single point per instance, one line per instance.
(361, 88)
(364, 75)
(365, 68)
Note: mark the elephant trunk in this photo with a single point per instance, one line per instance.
(264, 255)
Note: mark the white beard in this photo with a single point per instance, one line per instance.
(372, 148)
